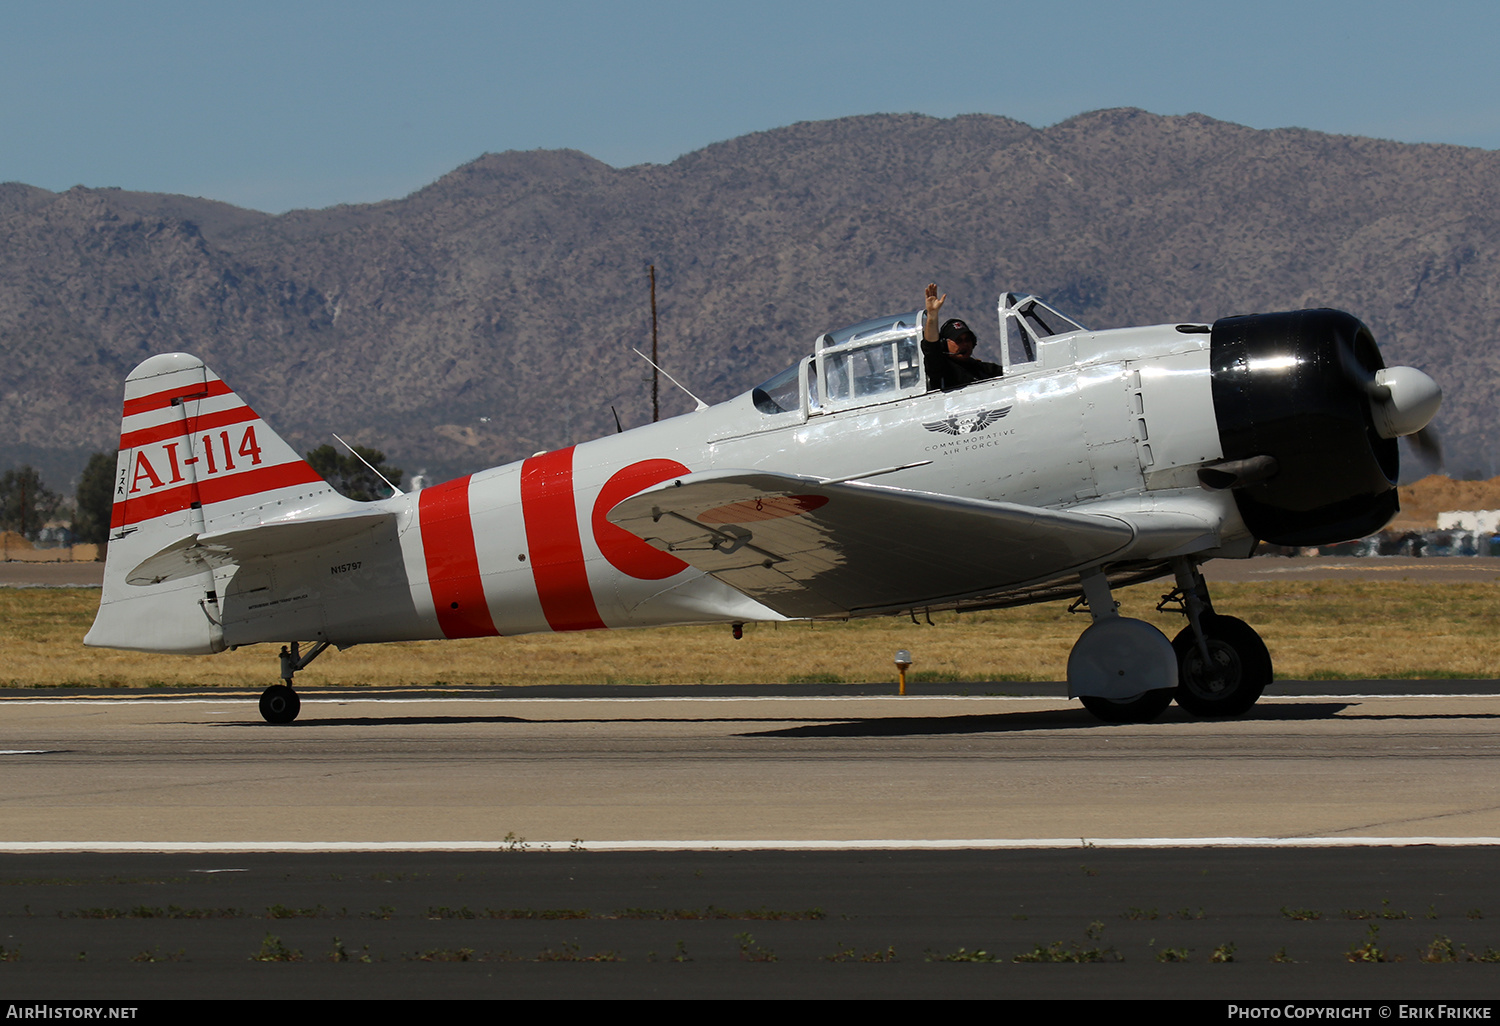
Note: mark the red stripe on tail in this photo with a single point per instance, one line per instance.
(453, 562)
(186, 426)
(149, 505)
(562, 582)
(161, 400)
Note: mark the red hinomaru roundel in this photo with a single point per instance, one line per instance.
(625, 552)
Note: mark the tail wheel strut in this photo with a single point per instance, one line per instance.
(279, 703)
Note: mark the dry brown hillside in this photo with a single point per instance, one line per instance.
(1423, 500)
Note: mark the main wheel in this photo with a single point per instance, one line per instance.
(1237, 671)
(279, 704)
(1142, 709)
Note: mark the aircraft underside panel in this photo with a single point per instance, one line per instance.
(809, 549)
(351, 591)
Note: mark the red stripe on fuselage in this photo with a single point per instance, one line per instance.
(150, 505)
(453, 562)
(562, 582)
(186, 426)
(161, 400)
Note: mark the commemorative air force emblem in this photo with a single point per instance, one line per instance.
(969, 424)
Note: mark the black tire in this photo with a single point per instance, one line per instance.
(279, 704)
(1241, 670)
(1142, 709)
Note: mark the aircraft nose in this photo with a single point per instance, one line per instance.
(1403, 400)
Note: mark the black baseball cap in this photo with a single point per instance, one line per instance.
(955, 329)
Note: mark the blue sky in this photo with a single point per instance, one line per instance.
(277, 105)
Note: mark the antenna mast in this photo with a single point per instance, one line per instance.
(701, 404)
(368, 466)
(655, 371)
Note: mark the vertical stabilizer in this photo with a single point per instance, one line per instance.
(194, 458)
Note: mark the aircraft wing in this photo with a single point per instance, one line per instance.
(810, 548)
(194, 553)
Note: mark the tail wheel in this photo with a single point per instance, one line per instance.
(1142, 709)
(279, 704)
(1236, 672)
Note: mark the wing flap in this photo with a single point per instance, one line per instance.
(807, 547)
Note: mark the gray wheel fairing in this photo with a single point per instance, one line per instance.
(1120, 659)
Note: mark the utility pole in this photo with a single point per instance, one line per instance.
(655, 374)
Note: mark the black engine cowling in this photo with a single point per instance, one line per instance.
(1293, 386)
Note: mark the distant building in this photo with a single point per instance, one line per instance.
(1482, 521)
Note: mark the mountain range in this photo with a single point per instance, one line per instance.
(491, 314)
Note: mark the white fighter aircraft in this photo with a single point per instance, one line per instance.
(847, 485)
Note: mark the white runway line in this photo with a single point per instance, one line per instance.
(889, 844)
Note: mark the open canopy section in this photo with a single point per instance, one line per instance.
(1024, 321)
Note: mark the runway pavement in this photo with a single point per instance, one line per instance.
(153, 844)
(1475, 569)
(1220, 923)
(794, 845)
(18, 574)
(158, 771)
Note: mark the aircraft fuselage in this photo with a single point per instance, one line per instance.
(526, 547)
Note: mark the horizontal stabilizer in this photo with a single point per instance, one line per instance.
(806, 548)
(195, 553)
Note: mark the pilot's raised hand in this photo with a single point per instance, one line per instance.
(934, 308)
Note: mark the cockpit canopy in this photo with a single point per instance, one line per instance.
(864, 363)
(1024, 321)
(880, 359)
(869, 361)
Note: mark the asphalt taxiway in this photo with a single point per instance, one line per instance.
(810, 841)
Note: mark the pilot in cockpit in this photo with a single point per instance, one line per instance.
(948, 351)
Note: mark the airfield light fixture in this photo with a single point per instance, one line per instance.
(903, 663)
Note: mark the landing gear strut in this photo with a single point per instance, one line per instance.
(1223, 665)
(1123, 670)
(279, 703)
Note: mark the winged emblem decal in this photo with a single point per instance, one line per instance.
(969, 424)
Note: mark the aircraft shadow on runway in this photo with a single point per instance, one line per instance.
(895, 726)
(383, 721)
(379, 721)
(994, 723)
